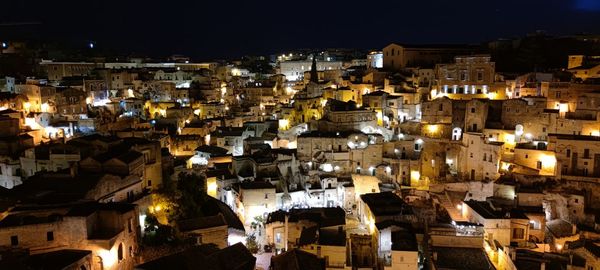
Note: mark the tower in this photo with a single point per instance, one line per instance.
(314, 75)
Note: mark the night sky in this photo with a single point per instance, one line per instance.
(226, 28)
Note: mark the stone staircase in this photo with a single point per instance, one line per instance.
(450, 206)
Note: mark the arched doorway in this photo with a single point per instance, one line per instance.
(456, 134)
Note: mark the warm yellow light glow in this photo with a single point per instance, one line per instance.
(26, 106)
(108, 258)
(432, 128)
(559, 247)
(197, 111)
(492, 95)
(548, 161)
(415, 175)
(434, 93)
(88, 100)
(596, 133)
(211, 187)
(563, 107)
(323, 102)
(207, 139)
(29, 121)
(504, 166)
(284, 124)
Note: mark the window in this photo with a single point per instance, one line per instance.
(266, 196)
(539, 165)
(472, 110)
(518, 233)
(50, 236)
(417, 147)
(149, 183)
(484, 157)
(568, 152)
(120, 252)
(130, 225)
(14, 240)
(480, 75)
(586, 153)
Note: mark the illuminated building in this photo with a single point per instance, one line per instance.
(397, 56)
(294, 70)
(468, 77)
(109, 231)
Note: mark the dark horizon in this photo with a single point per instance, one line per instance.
(214, 30)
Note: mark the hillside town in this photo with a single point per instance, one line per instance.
(410, 156)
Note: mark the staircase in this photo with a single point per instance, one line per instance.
(455, 213)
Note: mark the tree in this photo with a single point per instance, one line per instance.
(157, 234)
(252, 244)
(190, 195)
(258, 222)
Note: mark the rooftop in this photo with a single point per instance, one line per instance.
(297, 259)
(385, 204)
(560, 228)
(487, 211)
(461, 258)
(236, 257)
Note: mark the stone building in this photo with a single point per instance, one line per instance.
(109, 231)
(397, 56)
(468, 77)
(503, 226)
(345, 116)
(576, 155)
